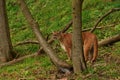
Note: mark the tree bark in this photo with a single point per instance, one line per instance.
(5, 42)
(46, 47)
(79, 63)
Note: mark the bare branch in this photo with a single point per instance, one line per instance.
(101, 27)
(67, 26)
(105, 15)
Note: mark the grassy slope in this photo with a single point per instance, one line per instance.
(53, 15)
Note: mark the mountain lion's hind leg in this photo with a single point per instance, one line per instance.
(86, 52)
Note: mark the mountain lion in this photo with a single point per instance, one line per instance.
(90, 44)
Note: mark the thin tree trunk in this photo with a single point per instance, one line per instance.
(79, 63)
(5, 42)
(35, 27)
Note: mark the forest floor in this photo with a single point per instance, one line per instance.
(107, 67)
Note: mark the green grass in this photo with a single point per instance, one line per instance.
(30, 68)
(53, 15)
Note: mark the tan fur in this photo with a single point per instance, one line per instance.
(90, 44)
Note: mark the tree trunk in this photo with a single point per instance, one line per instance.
(35, 27)
(79, 63)
(5, 42)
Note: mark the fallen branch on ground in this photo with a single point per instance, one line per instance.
(26, 42)
(110, 40)
(17, 60)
